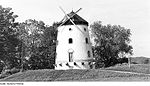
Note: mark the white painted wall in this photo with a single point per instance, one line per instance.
(79, 46)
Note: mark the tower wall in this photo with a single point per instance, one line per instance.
(75, 53)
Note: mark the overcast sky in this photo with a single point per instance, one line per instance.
(131, 14)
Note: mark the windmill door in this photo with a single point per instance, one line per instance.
(70, 53)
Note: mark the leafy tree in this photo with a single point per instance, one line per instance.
(45, 56)
(38, 44)
(49, 43)
(110, 41)
(30, 33)
(8, 38)
(1, 67)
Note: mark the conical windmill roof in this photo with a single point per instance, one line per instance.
(76, 19)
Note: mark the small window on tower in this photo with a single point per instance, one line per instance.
(84, 29)
(89, 55)
(70, 29)
(86, 40)
(70, 41)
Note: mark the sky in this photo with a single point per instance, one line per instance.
(131, 14)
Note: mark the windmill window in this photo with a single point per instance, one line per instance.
(86, 40)
(89, 55)
(84, 29)
(70, 41)
(70, 29)
(82, 63)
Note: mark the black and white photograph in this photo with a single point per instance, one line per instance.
(53, 41)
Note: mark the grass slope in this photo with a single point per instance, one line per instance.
(138, 68)
(140, 60)
(82, 75)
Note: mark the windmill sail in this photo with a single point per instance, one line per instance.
(76, 19)
(73, 19)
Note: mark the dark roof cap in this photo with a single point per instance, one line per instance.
(75, 18)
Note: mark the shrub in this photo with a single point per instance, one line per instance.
(99, 65)
(3, 76)
(39, 62)
(14, 70)
(9, 72)
(122, 60)
(5, 73)
(1, 67)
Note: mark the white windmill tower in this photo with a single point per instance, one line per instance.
(73, 50)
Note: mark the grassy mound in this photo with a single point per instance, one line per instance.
(140, 60)
(138, 68)
(75, 75)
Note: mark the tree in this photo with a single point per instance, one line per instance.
(8, 38)
(110, 41)
(49, 43)
(31, 35)
(38, 44)
(45, 58)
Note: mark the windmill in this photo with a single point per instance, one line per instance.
(69, 18)
(73, 50)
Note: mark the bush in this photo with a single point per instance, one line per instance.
(122, 60)
(5, 73)
(110, 62)
(14, 70)
(1, 67)
(39, 62)
(99, 65)
(9, 72)
(3, 76)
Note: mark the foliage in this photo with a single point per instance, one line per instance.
(122, 60)
(48, 48)
(40, 62)
(1, 67)
(8, 38)
(38, 44)
(30, 33)
(9, 72)
(110, 41)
